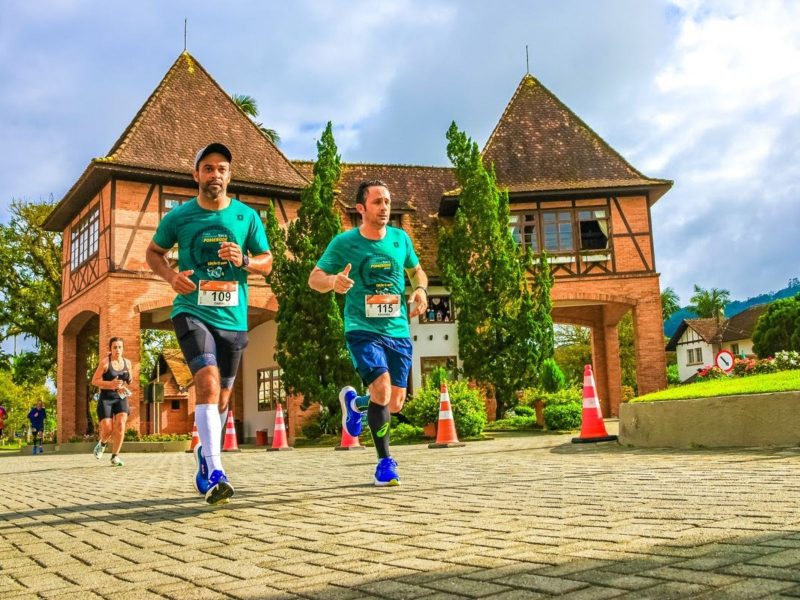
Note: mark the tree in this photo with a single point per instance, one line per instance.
(30, 278)
(249, 106)
(19, 399)
(310, 346)
(573, 351)
(670, 303)
(152, 343)
(778, 328)
(504, 324)
(708, 304)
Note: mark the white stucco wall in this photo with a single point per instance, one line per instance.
(745, 346)
(429, 340)
(260, 354)
(685, 370)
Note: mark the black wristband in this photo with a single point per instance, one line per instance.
(424, 289)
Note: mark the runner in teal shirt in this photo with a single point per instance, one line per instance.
(377, 269)
(220, 240)
(368, 264)
(199, 232)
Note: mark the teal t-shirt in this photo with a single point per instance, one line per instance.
(199, 233)
(377, 269)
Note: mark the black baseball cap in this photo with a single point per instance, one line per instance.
(210, 149)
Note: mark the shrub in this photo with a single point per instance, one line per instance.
(404, 432)
(165, 437)
(524, 411)
(312, 429)
(673, 377)
(787, 359)
(628, 393)
(552, 376)
(710, 373)
(469, 411)
(515, 423)
(558, 417)
(571, 395)
(131, 435)
(752, 366)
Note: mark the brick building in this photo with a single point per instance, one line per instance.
(570, 193)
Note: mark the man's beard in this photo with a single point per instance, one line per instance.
(210, 193)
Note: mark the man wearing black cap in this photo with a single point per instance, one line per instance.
(220, 240)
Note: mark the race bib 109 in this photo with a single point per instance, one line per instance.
(218, 293)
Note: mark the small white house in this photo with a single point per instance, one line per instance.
(697, 341)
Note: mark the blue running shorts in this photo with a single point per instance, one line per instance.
(374, 354)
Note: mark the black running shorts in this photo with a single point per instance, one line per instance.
(204, 345)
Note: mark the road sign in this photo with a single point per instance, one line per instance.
(724, 360)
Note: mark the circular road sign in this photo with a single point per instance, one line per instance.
(724, 360)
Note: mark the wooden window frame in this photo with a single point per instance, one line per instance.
(269, 388)
(85, 239)
(424, 320)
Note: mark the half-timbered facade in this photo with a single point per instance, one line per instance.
(571, 195)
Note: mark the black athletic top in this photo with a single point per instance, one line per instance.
(110, 374)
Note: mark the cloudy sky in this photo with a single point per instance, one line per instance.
(706, 93)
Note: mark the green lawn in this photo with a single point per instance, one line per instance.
(784, 381)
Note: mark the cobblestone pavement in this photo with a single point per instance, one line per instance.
(516, 517)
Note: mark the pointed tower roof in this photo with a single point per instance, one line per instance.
(540, 145)
(187, 111)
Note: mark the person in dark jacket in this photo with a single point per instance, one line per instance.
(36, 416)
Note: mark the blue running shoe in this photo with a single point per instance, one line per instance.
(220, 490)
(351, 419)
(386, 472)
(201, 475)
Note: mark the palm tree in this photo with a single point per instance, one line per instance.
(249, 106)
(670, 303)
(709, 303)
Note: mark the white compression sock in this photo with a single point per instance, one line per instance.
(209, 430)
(223, 419)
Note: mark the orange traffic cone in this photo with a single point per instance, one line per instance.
(229, 443)
(195, 439)
(349, 442)
(279, 441)
(592, 427)
(446, 430)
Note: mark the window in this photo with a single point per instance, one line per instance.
(270, 388)
(175, 405)
(429, 363)
(735, 349)
(593, 226)
(440, 310)
(557, 228)
(523, 228)
(694, 356)
(168, 202)
(395, 220)
(84, 239)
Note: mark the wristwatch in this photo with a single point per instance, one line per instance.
(245, 261)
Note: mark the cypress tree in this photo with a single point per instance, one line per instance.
(310, 346)
(504, 325)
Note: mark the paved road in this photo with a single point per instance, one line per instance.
(517, 517)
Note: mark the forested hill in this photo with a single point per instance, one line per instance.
(735, 307)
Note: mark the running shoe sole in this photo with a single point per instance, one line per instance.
(391, 482)
(219, 493)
